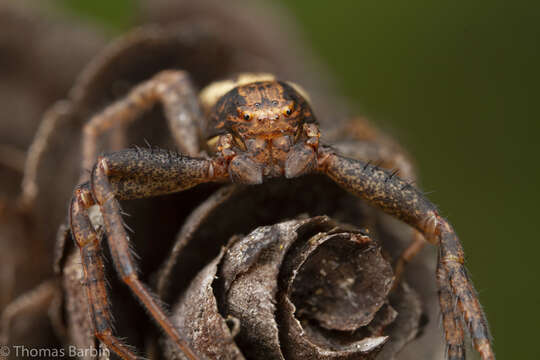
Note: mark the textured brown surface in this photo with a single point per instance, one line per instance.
(197, 316)
(266, 282)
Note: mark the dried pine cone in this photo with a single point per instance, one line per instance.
(300, 289)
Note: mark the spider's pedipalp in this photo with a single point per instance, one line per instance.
(410, 205)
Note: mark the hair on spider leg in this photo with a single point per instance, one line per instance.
(377, 166)
(125, 344)
(367, 164)
(332, 147)
(408, 185)
(136, 148)
(122, 212)
(127, 227)
(107, 281)
(476, 292)
(133, 253)
(172, 155)
(147, 144)
(392, 174)
(150, 147)
(157, 300)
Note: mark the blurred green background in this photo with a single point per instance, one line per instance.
(457, 83)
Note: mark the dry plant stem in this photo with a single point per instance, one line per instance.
(173, 89)
(192, 223)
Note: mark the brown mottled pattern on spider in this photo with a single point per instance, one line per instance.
(265, 128)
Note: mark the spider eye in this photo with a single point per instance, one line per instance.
(288, 111)
(247, 117)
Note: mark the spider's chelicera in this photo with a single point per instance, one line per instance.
(256, 128)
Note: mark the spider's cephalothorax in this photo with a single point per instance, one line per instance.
(266, 128)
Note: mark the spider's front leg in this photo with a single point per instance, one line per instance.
(128, 174)
(362, 141)
(398, 198)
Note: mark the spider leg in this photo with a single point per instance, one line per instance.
(46, 129)
(398, 198)
(368, 145)
(360, 140)
(129, 174)
(178, 97)
(452, 323)
(94, 276)
(192, 223)
(384, 155)
(407, 255)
